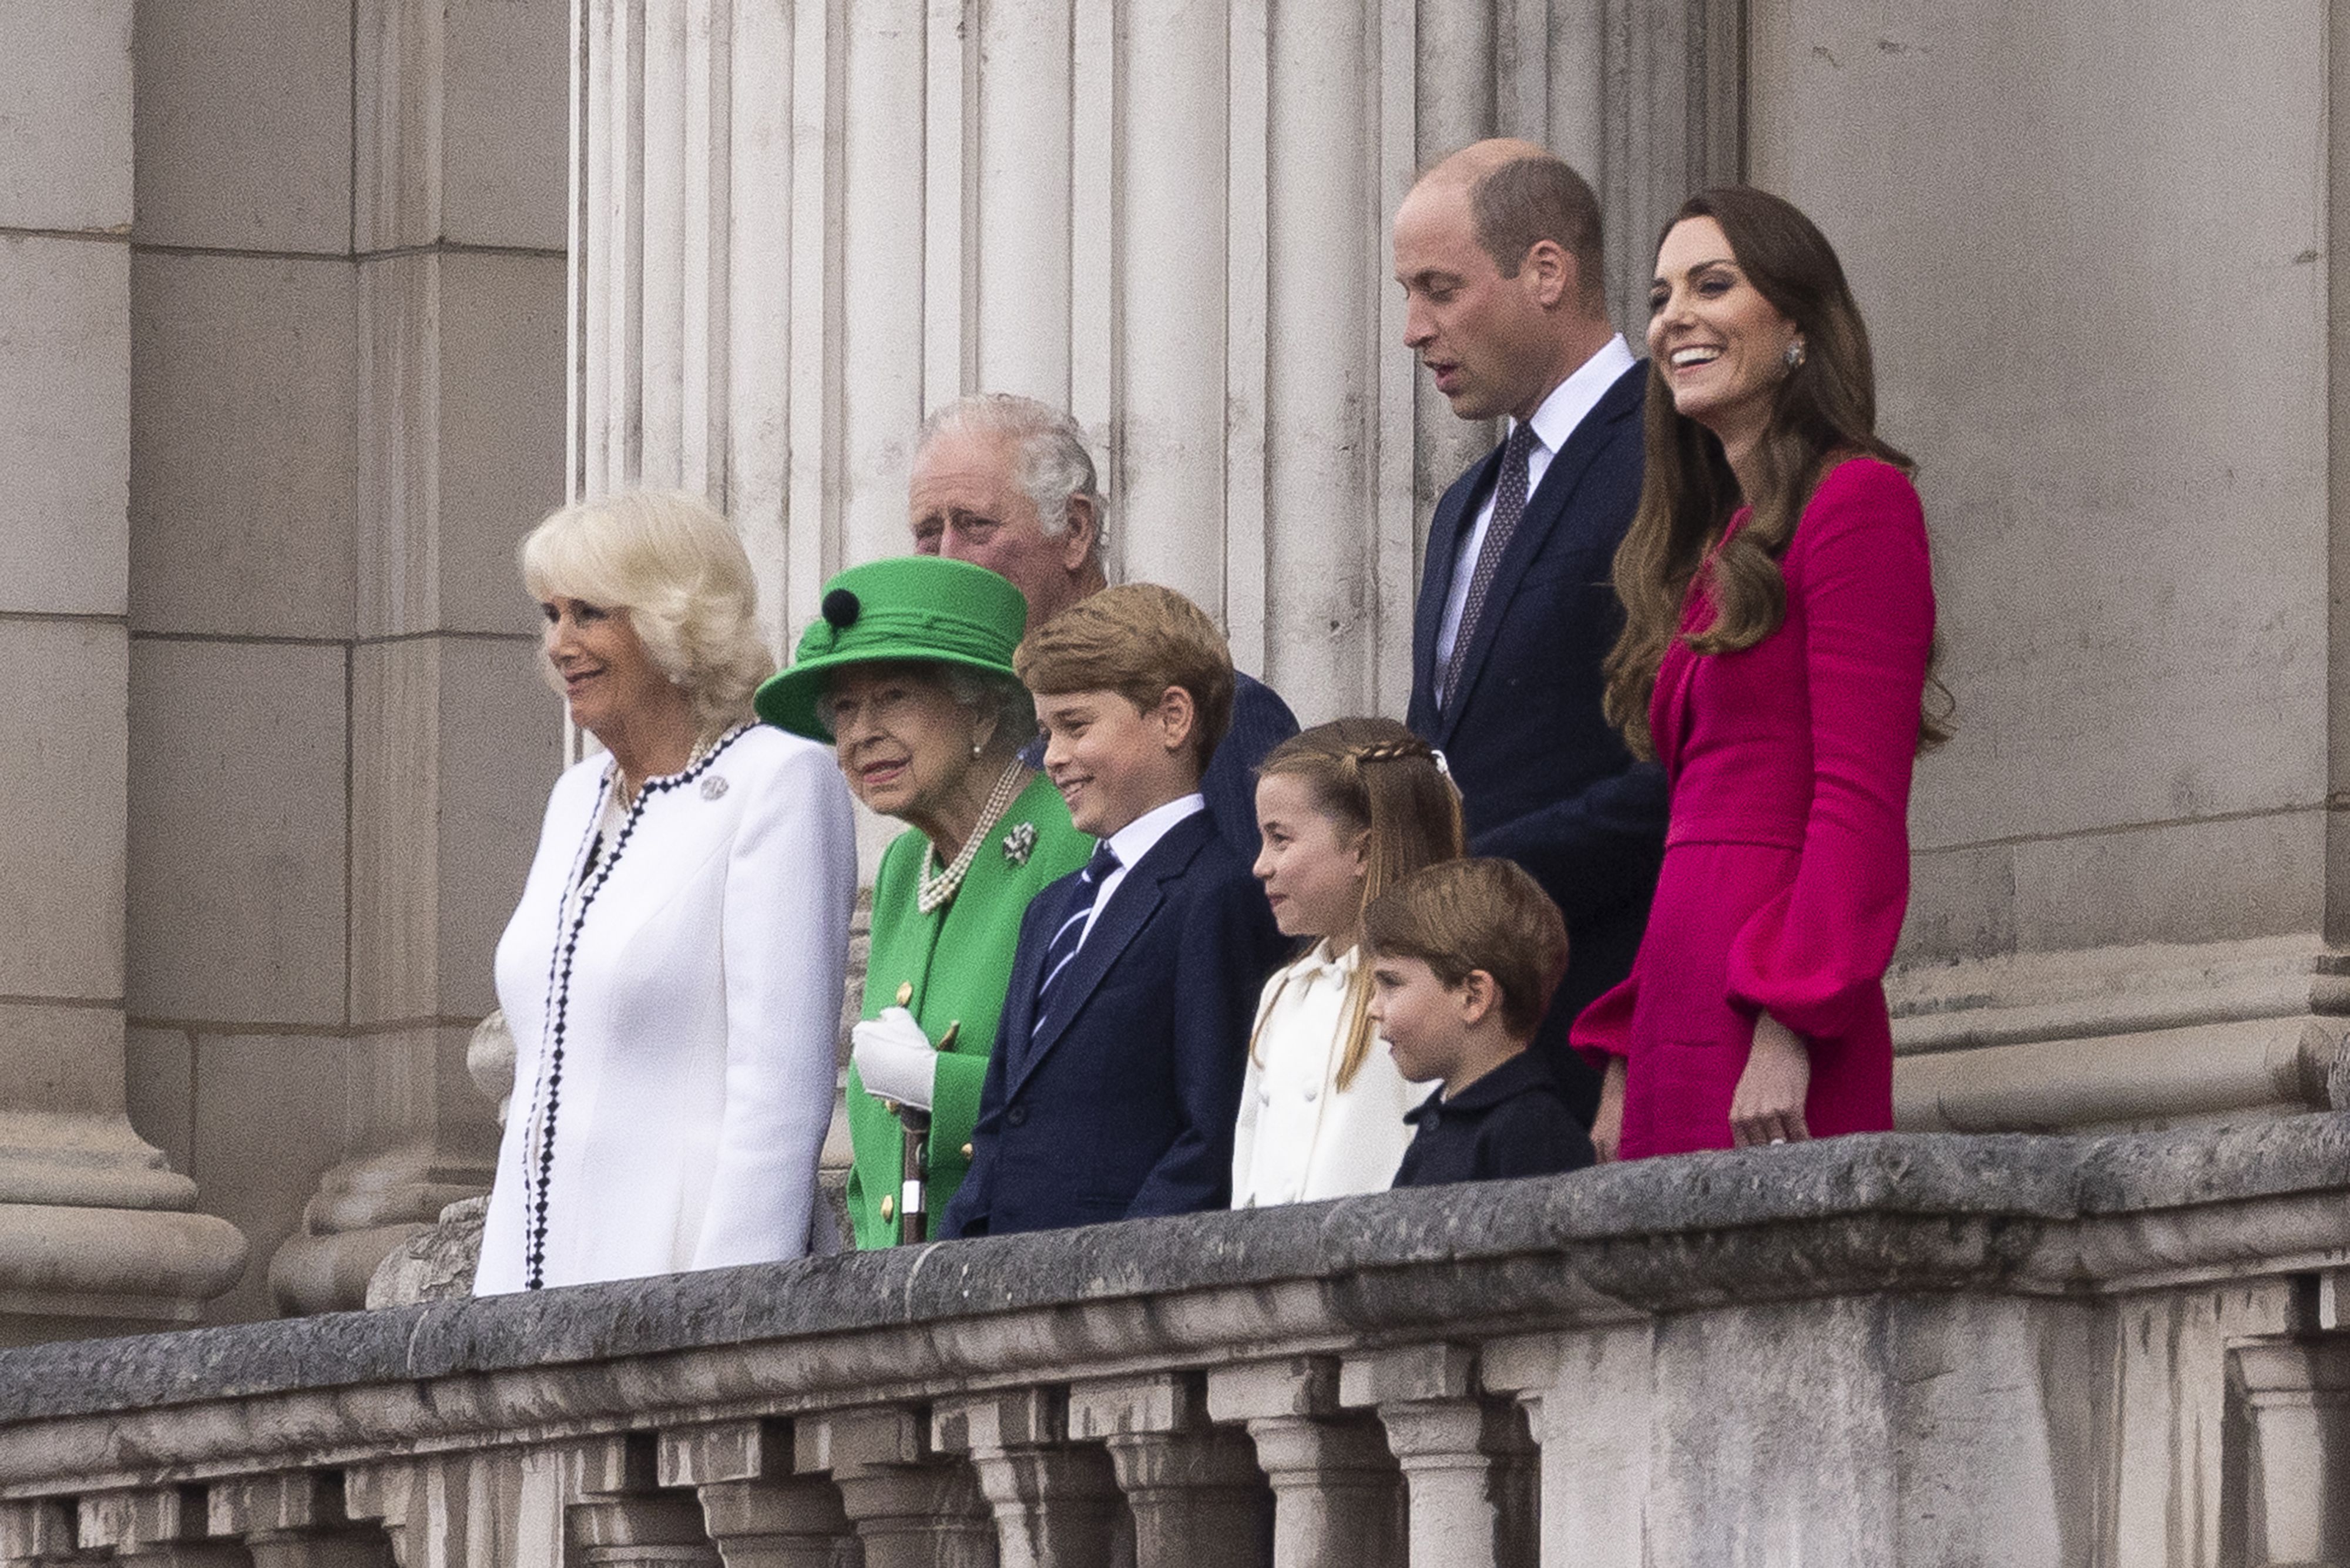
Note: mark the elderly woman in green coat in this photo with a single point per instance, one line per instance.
(909, 677)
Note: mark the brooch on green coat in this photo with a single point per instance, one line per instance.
(1020, 843)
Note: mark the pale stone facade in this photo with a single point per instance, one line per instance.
(302, 329)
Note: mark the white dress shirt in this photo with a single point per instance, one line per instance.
(1134, 841)
(1300, 1136)
(1554, 423)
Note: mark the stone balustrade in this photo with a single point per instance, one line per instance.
(1907, 1348)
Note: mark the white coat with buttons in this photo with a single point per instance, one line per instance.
(1300, 1136)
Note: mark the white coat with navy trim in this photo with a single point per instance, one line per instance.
(696, 1066)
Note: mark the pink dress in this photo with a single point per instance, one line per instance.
(1786, 868)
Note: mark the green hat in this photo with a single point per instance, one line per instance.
(912, 607)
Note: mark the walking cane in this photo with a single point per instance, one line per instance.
(914, 1160)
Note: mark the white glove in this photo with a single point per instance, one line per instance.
(895, 1058)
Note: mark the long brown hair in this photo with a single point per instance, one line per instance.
(1374, 777)
(1823, 411)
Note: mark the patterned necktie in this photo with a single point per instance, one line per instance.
(1509, 505)
(1072, 931)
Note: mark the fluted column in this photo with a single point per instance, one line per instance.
(1177, 245)
(1322, 545)
(1172, 219)
(1022, 164)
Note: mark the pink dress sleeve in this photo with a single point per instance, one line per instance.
(1604, 1029)
(1814, 955)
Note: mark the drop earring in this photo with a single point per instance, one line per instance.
(1794, 356)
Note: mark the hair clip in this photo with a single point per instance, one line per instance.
(1438, 758)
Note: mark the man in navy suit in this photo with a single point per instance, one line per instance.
(1004, 482)
(1498, 250)
(1117, 1072)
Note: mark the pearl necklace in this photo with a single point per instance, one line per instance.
(935, 890)
(702, 746)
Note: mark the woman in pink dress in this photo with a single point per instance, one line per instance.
(1776, 652)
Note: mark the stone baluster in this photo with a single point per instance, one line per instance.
(1468, 1463)
(160, 1527)
(37, 1533)
(295, 1520)
(2297, 1472)
(912, 1508)
(1337, 1502)
(1055, 1503)
(454, 1511)
(619, 1516)
(1194, 1490)
(759, 1514)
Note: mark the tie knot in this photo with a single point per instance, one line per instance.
(1521, 442)
(1104, 862)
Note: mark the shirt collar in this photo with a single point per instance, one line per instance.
(1138, 838)
(1576, 396)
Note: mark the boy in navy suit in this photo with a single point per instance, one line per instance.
(1464, 956)
(1118, 1065)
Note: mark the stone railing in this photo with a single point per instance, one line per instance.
(1914, 1349)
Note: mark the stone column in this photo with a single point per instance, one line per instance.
(458, 223)
(1336, 1500)
(759, 1514)
(1194, 1488)
(1055, 1502)
(1467, 1462)
(97, 1232)
(1588, 1406)
(2297, 1468)
(911, 1507)
(1174, 393)
(296, 1521)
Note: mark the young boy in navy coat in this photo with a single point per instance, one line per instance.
(1464, 956)
(1118, 1065)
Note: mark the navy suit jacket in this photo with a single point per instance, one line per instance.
(1544, 780)
(1261, 720)
(1124, 1105)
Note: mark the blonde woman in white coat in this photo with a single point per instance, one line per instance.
(1345, 811)
(673, 975)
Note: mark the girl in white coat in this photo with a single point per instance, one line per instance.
(1345, 810)
(673, 975)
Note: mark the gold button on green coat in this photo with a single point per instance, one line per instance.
(953, 965)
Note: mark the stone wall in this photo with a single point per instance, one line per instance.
(283, 384)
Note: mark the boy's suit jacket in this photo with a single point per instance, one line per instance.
(1124, 1105)
(1544, 780)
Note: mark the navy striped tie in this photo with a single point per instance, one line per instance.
(1072, 932)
